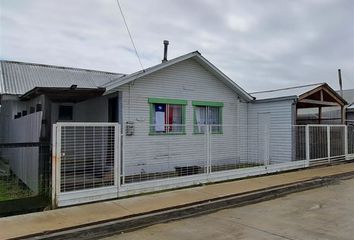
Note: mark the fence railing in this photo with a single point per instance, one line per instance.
(93, 156)
(321, 144)
(184, 150)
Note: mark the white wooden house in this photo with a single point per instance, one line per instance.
(180, 117)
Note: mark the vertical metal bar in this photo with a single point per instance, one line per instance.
(346, 142)
(307, 143)
(210, 144)
(207, 149)
(329, 143)
(116, 157)
(54, 165)
(122, 137)
(58, 161)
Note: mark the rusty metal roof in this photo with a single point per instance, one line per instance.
(18, 78)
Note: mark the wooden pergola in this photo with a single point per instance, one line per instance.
(320, 97)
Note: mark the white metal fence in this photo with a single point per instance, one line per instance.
(88, 166)
(85, 159)
(149, 155)
(203, 150)
(322, 144)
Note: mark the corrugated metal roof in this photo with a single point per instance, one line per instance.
(19, 77)
(285, 92)
(348, 95)
(1, 81)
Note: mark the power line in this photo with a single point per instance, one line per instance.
(130, 36)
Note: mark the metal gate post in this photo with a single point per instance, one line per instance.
(122, 153)
(116, 168)
(54, 165)
(208, 160)
(346, 142)
(329, 143)
(307, 144)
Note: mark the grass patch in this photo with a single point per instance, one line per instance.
(12, 188)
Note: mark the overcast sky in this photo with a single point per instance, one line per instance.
(259, 44)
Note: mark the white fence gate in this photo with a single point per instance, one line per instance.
(85, 162)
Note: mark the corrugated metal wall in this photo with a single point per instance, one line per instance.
(24, 161)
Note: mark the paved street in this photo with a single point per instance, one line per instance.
(322, 213)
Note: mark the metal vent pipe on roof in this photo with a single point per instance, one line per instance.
(340, 82)
(165, 43)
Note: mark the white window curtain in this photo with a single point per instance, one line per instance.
(205, 115)
(201, 118)
(213, 115)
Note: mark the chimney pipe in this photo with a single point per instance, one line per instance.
(165, 43)
(340, 82)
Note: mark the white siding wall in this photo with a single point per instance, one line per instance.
(186, 80)
(92, 110)
(281, 120)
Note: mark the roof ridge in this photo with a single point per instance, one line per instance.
(287, 88)
(136, 73)
(58, 67)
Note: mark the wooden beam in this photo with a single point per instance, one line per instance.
(319, 114)
(323, 103)
(333, 96)
(305, 95)
(322, 88)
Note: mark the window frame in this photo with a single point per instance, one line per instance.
(167, 101)
(208, 104)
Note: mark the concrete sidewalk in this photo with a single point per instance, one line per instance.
(72, 217)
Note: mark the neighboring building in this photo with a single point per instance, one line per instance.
(348, 95)
(309, 103)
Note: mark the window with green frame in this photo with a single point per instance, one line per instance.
(167, 116)
(207, 114)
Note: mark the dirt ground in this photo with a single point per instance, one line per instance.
(322, 213)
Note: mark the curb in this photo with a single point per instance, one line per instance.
(114, 226)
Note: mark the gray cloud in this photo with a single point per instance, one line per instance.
(259, 44)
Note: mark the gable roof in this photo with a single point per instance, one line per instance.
(113, 85)
(17, 78)
(298, 92)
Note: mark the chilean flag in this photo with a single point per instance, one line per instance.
(160, 112)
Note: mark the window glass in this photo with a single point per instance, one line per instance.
(206, 115)
(167, 118)
(65, 113)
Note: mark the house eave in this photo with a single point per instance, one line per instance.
(294, 97)
(60, 94)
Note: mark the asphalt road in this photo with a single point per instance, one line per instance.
(322, 213)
